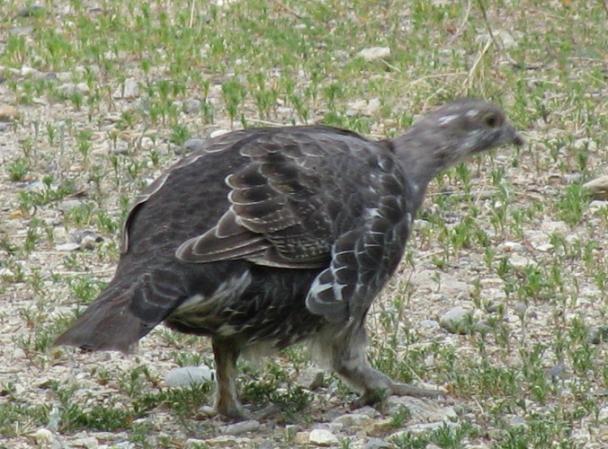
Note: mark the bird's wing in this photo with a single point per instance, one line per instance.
(364, 258)
(284, 201)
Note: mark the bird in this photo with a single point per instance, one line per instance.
(267, 237)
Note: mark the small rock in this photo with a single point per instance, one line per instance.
(353, 420)
(128, 90)
(457, 320)
(43, 436)
(603, 414)
(85, 238)
(373, 53)
(4, 126)
(418, 429)
(557, 371)
(218, 132)
(70, 246)
(8, 113)
(376, 443)
(301, 438)
(322, 437)
(86, 442)
(68, 89)
(192, 106)
(311, 378)
(363, 107)
(598, 334)
(516, 421)
(121, 148)
(598, 188)
(189, 375)
(240, 427)
(194, 144)
(194, 443)
(518, 261)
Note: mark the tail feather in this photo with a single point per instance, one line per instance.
(111, 322)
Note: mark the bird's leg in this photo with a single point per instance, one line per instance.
(226, 402)
(350, 362)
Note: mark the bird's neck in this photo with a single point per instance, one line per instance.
(416, 156)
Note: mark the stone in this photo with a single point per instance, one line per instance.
(8, 113)
(311, 378)
(68, 89)
(363, 107)
(189, 375)
(421, 428)
(376, 443)
(373, 53)
(4, 126)
(192, 106)
(322, 437)
(70, 246)
(218, 132)
(421, 410)
(598, 334)
(194, 144)
(457, 320)
(353, 420)
(240, 427)
(598, 188)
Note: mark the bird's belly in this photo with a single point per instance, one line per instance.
(249, 311)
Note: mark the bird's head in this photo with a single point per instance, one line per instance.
(450, 134)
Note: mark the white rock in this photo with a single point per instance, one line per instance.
(373, 53)
(311, 378)
(457, 320)
(43, 436)
(520, 261)
(218, 132)
(598, 187)
(189, 375)
(70, 246)
(240, 427)
(322, 437)
(364, 107)
(353, 420)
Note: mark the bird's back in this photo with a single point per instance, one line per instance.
(273, 201)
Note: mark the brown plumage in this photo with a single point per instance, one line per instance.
(277, 235)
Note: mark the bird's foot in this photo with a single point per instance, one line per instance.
(378, 396)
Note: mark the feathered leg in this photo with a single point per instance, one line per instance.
(350, 363)
(226, 353)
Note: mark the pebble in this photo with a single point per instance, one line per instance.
(603, 414)
(4, 126)
(240, 427)
(8, 113)
(598, 334)
(68, 89)
(322, 437)
(70, 246)
(189, 375)
(363, 107)
(373, 53)
(43, 436)
(192, 106)
(129, 89)
(311, 378)
(457, 320)
(598, 188)
(505, 38)
(353, 420)
(376, 443)
(218, 132)
(194, 144)
(421, 410)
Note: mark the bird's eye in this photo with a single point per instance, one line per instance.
(491, 120)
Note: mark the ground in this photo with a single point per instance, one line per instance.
(96, 98)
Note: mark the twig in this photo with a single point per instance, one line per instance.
(467, 81)
(464, 21)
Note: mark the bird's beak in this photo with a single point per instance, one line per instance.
(509, 135)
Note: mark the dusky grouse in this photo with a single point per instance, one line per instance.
(272, 236)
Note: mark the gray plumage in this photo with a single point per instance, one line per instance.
(276, 235)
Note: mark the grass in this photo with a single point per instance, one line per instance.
(515, 226)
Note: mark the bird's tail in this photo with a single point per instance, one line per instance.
(117, 319)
